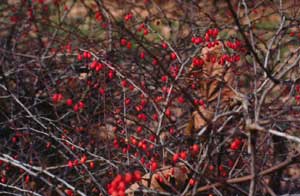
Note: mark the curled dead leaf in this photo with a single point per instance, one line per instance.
(214, 79)
(169, 177)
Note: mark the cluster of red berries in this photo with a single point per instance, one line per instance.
(222, 171)
(293, 34)
(198, 62)
(128, 17)
(197, 40)
(230, 59)
(86, 55)
(194, 149)
(82, 160)
(96, 66)
(234, 45)
(118, 185)
(211, 33)
(57, 97)
(125, 42)
(143, 28)
(199, 102)
(78, 106)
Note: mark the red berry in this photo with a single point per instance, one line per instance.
(83, 159)
(195, 148)
(122, 186)
(164, 78)
(192, 182)
(99, 67)
(128, 45)
(124, 83)
(143, 160)
(76, 108)
(183, 155)
(137, 175)
(128, 178)
(180, 99)
(101, 91)
(207, 38)
(139, 129)
(121, 193)
(69, 102)
(115, 193)
(144, 147)
(224, 173)
(154, 166)
(48, 145)
(127, 101)
(27, 179)
(173, 56)
(70, 164)
(193, 39)
(171, 130)
(14, 140)
(236, 144)
(55, 98)
(75, 162)
(297, 97)
(133, 141)
(175, 157)
(159, 179)
(142, 55)
(215, 32)
(3, 180)
(123, 42)
(164, 45)
(221, 168)
(155, 117)
(111, 74)
(79, 57)
(146, 31)
(118, 178)
(93, 65)
(69, 192)
(81, 105)
(230, 163)
(168, 112)
(92, 165)
(154, 62)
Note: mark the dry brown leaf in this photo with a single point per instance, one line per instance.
(213, 74)
(212, 77)
(198, 120)
(178, 172)
(102, 132)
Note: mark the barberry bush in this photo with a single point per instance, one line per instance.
(149, 97)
